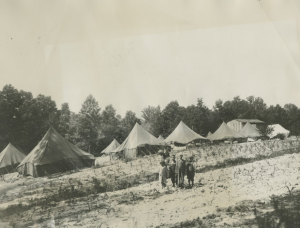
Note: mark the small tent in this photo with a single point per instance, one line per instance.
(278, 129)
(208, 134)
(224, 132)
(10, 158)
(138, 143)
(183, 134)
(161, 138)
(249, 131)
(111, 147)
(54, 154)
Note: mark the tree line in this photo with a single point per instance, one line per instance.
(24, 119)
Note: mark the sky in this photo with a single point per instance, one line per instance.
(132, 54)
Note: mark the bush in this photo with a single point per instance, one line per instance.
(280, 136)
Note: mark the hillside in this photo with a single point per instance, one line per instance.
(128, 195)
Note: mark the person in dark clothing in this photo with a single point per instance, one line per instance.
(167, 156)
(172, 170)
(190, 171)
(180, 168)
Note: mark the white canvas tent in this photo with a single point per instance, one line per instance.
(249, 131)
(224, 132)
(10, 158)
(278, 129)
(107, 153)
(111, 147)
(138, 143)
(183, 134)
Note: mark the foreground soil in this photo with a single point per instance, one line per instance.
(229, 197)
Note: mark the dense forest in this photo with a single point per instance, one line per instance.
(24, 119)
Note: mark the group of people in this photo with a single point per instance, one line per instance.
(176, 170)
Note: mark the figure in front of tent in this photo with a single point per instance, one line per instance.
(172, 170)
(163, 174)
(180, 168)
(190, 171)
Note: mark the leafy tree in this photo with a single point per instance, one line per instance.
(152, 116)
(257, 108)
(10, 117)
(276, 115)
(171, 117)
(38, 114)
(127, 123)
(89, 125)
(64, 120)
(110, 127)
(220, 113)
(73, 135)
(266, 131)
(293, 118)
(197, 117)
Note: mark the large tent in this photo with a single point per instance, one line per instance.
(10, 158)
(54, 154)
(278, 129)
(111, 147)
(249, 131)
(138, 143)
(224, 132)
(183, 134)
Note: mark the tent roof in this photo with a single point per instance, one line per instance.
(10, 156)
(224, 132)
(161, 138)
(208, 134)
(278, 129)
(111, 147)
(53, 147)
(249, 131)
(183, 134)
(250, 121)
(139, 137)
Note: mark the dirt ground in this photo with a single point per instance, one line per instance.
(224, 197)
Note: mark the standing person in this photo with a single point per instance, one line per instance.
(52, 221)
(190, 171)
(167, 156)
(172, 170)
(180, 167)
(162, 155)
(163, 174)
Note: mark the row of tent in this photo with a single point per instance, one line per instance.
(56, 154)
(139, 137)
(248, 131)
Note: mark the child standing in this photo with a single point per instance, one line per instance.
(163, 174)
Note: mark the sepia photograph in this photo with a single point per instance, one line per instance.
(161, 114)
